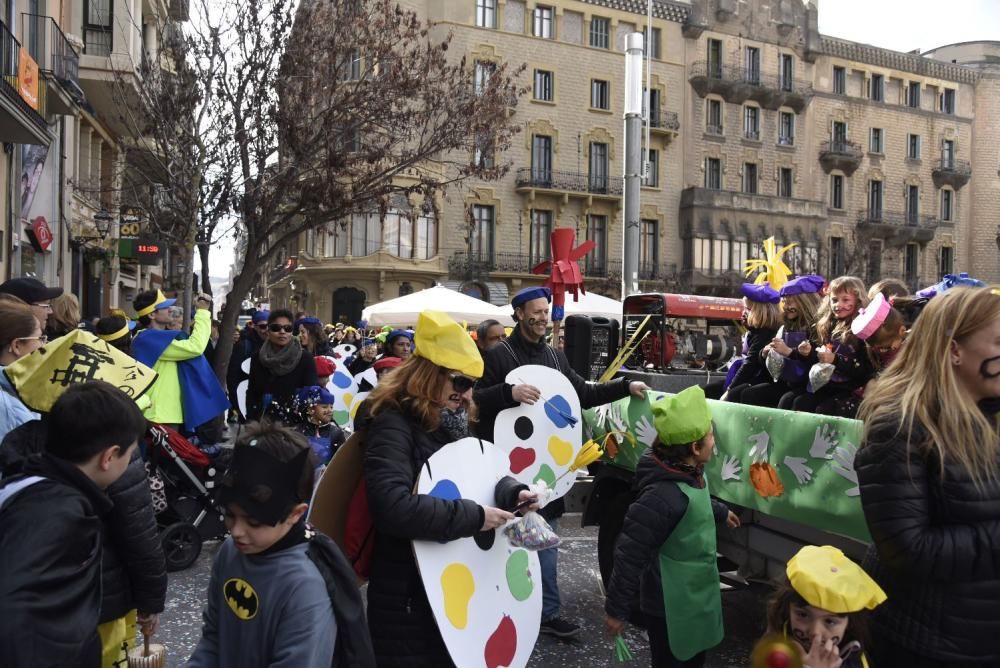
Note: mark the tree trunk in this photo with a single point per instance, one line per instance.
(188, 288)
(242, 283)
(206, 283)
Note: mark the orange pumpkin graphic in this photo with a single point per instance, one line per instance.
(765, 480)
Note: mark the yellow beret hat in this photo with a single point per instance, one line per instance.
(442, 341)
(683, 417)
(828, 580)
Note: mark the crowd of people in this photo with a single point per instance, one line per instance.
(77, 586)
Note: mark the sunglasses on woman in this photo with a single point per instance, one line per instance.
(281, 328)
(462, 384)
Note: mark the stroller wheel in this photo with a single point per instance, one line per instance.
(181, 545)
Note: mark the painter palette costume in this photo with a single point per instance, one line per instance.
(485, 594)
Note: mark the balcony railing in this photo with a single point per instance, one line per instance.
(282, 270)
(713, 130)
(897, 219)
(568, 181)
(840, 154)
(10, 56)
(48, 45)
(786, 141)
(952, 172)
(664, 120)
(479, 264)
(752, 135)
(738, 84)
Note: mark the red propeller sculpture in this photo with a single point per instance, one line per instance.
(564, 273)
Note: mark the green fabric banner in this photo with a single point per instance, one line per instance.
(795, 466)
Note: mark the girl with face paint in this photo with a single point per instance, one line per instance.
(822, 606)
(929, 480)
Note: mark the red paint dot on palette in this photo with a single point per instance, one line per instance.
(502, 644)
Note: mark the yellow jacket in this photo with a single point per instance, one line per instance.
(165, 394)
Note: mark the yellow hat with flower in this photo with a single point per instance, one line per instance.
(828, 580)
(442, 341)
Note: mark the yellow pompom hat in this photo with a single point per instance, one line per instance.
(827, 579)
(442, 341)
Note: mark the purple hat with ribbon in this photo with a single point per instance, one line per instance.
(764, 294)
(802, 285)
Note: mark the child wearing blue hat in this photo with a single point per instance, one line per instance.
(314, 409)
(762, 318)
(800, 302)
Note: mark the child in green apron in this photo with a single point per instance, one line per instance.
(821, 606)
(665, 555)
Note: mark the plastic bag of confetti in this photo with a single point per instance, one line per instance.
(819, 375)
(775, 363)
(531, 532)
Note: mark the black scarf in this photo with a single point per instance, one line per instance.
(455, 423)
(280, 361)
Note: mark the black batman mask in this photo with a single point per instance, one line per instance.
(241, 598)
(262, 485)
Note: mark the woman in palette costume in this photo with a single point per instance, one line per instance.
(762, 318)
(800, 301)
(417, 409)
(837, 345)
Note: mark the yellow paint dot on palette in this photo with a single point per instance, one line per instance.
(348, 398)
(458, 586)
(560, 450)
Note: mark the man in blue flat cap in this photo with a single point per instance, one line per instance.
(526, 345)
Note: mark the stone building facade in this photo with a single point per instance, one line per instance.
(875, 162)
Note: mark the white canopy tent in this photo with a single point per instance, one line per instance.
(594, 304)
(405, 310)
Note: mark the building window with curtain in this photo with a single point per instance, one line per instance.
(598, 167)
(483, 155)
(597, 259)
(540, 244)
(481, 240)
(648, 250)
(426, 242)
(713, 173)
(486, 13)
(947, 205)
(741, 253)
(600, 96)
(946, 261)
(651, 179)
(541, 160)
(544, 90)
(337, 235)
(599, 31)
(398, 234)
(97, 33)
(543, 22)
(701, 257)
(483, 73)
(366, 234)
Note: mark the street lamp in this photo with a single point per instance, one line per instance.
(102, 223)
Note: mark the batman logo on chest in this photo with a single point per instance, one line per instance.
(241, 598)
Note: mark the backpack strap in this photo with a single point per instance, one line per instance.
(8, 491)
(510, 349)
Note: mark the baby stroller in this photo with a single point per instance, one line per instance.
(182, 478)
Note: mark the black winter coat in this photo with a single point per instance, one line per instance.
(935, 551)
(493, 393)
(650, 520)
(753, 370)
(402, 625)
(247, 346)
(50, 557)
(133, 569)
(281, 388)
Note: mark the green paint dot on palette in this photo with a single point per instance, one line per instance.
(341, 417)
(518, 577)
(545, 473)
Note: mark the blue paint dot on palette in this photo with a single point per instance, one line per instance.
(341, 380)
(558, 411)
(445, 489)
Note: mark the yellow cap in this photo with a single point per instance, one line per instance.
(828, 580)
(683, 417)
(441, 340)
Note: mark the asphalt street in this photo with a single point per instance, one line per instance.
(582, 602)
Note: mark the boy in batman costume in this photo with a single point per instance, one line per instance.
(280, 593)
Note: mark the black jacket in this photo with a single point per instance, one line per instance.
(402, 625)
(247, 346)
(753, 370)
(133, 569)
(935, 551)
(493, 393)
(281, 388)
(50, 557)
(650, 520)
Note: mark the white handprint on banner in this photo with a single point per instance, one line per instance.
(803, 473)
(825, 439)
(731, 468)
(644, 431)
(843, 465)
(617, 418)
(761, 444)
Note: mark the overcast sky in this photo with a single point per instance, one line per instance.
(902, 25)
(905, 25)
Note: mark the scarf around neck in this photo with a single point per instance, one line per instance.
(281, 361)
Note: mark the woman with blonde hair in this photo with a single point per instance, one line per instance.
(65, 315)
(929, 478)
(420, 407)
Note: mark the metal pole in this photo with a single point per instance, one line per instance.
(633, 163)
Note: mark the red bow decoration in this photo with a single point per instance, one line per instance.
(564, 269)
